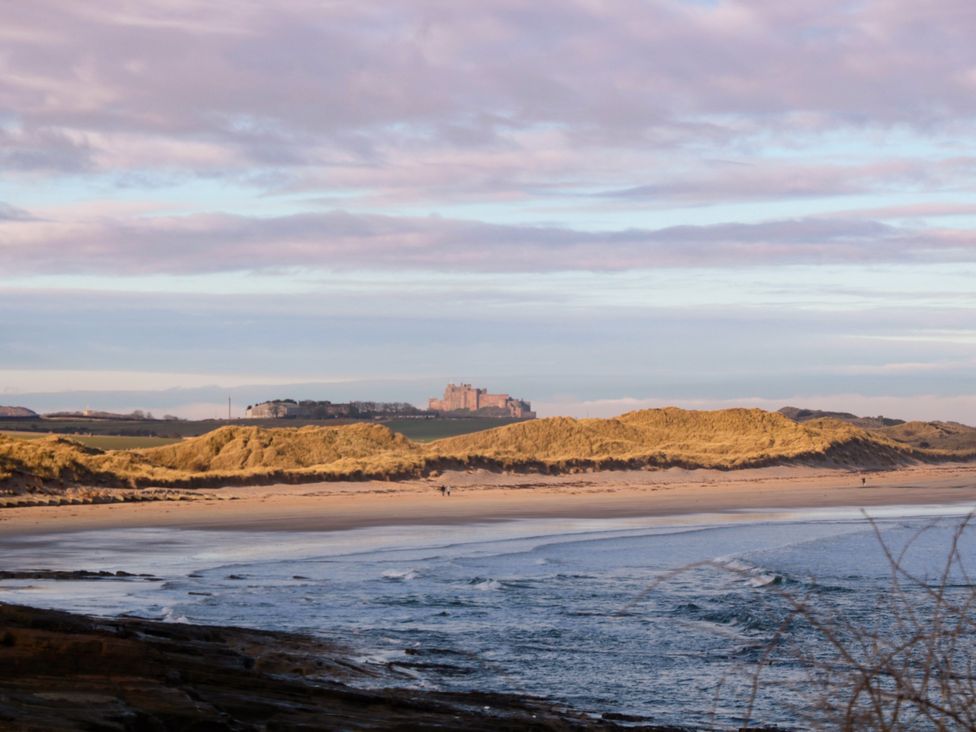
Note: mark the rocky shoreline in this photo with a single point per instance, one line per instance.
(63, 671)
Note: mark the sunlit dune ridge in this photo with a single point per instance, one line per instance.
(250, 448)
(721, 438)
(654, 438)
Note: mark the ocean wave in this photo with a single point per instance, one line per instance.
(735, 564)
(730, 611)
(764, 579)
(400, 575)
(170, 615)
(485, 584)
(753, 575)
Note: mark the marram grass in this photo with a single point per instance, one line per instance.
(653, 438)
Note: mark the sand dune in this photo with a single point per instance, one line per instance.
(727, 438)
(655, 438)
(933, 435)
(254, 448)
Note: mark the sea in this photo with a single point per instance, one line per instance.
(707, 620)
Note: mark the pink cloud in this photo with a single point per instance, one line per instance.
(727, 180)
(297, 83)
(339, 240)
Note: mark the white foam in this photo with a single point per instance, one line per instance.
(171, 616)
(400, 575)
(764, 579)
(486, 585)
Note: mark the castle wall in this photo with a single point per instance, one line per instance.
(499, 401)
(464, 398)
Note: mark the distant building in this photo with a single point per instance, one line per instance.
(308, 409)
(327, 409)
(465, 398)
(277, 409)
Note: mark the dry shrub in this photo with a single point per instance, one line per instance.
(918, 673)
(911, 668)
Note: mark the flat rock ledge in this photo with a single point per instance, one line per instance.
(61, 671)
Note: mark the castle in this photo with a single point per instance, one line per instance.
(465, 398)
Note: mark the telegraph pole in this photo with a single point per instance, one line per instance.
(228, 409)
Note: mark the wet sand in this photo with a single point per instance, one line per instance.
(479, 496)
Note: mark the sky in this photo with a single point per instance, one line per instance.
(595, 205)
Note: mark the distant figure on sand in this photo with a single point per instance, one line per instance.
(443, 490)
(863, 480)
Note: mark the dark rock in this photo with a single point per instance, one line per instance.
(72, 672)
(72, 575)
(619, 717)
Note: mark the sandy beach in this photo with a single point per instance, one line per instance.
(480, 496)
(454, 592)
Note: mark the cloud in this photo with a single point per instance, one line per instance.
(912, 211)
(145, 144)
(13, 213)
(338, 240)
(770, 180)
(305, 83)
(44, 149)
(582, 346)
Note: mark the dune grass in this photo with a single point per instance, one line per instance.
(429, 430)
(933, 435)
(102, 442)
(723, 439)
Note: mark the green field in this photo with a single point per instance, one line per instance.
(129, 434)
